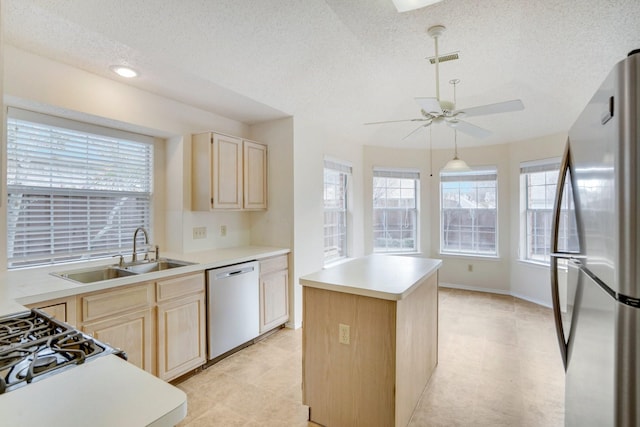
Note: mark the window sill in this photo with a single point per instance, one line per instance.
(337, 262)
(470, 256)
(397, 253)
(534, 263)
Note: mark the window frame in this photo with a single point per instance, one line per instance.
(344, 171)
(567, 228)
(110, 207)
(401, 174)
(477, 174)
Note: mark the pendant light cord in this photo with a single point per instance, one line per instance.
(455, 144)
(430, 152)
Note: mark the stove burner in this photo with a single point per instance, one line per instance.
(32, 346)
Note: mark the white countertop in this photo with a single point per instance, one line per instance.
(104, 391)
(33, 285)
(387, 277)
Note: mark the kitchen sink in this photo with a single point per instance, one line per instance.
(150, 266)
(100, 273)
(95, 274)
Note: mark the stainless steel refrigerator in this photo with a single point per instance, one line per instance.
(595, 267)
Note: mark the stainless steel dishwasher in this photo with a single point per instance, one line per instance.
(234, 306)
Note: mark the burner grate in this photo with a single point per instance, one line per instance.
(33, 346)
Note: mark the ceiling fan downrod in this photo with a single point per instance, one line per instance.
(435, 32)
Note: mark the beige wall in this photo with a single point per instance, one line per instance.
(529, 281)
(297, 148)
(487, 273)
(39, 84)
(406, 159)
(503, 274)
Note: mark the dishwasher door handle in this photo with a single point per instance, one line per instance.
(225, 274)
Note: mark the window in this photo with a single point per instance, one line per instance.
(336, 176)
(469, 212)
(395, 210)
(538, 182)
(75, 191)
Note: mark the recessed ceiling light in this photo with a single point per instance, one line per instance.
(407, 5)
(124, 71)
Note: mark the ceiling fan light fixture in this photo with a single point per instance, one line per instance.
(456, 165)
(407, 5)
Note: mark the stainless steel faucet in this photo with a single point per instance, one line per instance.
(134, 257)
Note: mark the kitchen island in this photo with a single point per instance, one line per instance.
(370, 339)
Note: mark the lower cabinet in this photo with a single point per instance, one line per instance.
(132, 332)
(123, 318)
(63, 309)
(181, 325)
(162, 325)
(274, 292)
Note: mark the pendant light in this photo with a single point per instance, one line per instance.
(456, 164)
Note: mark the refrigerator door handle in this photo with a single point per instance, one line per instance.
(555, 226)
(568, 255)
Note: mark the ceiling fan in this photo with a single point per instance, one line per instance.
(436, 110)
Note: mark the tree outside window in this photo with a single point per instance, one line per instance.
(469, 212)
(395, 210)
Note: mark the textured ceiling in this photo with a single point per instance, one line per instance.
(345, 62)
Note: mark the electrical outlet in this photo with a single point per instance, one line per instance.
(223, 230)
(199, 232)
(470, 267)
(343, 334)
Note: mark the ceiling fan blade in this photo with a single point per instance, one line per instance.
(430, 105)
(469, 129)
(397, 121)
(500, 107)
(415, 130)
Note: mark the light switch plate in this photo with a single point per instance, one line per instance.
(199, 232)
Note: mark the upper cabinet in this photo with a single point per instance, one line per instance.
(228, 173)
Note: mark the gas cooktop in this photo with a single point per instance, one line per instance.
(34, 346)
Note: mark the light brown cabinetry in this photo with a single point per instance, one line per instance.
(63, 309)
(274, 292)
(181, 325)
(255, 175)
(123, 318)
(375, 376)
(228, 173)
(130, 332)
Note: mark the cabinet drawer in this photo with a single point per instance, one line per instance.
(115, 302)
(178, 286)
(273, 264)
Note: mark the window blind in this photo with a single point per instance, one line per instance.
(338, 166)
(483, 174)
(396, 173)
(546, 165)
(73, 194)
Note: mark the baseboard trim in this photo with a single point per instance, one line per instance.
(532, 300)
(474, 288)
(495, 291)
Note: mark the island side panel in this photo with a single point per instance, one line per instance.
(417, 346)
(348, 384)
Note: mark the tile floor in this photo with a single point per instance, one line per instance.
(498, 366)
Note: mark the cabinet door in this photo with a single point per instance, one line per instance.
(274, 299)
(62, 309)
(181, 336)
(133, 333)
(255, 175)
(227, 172)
